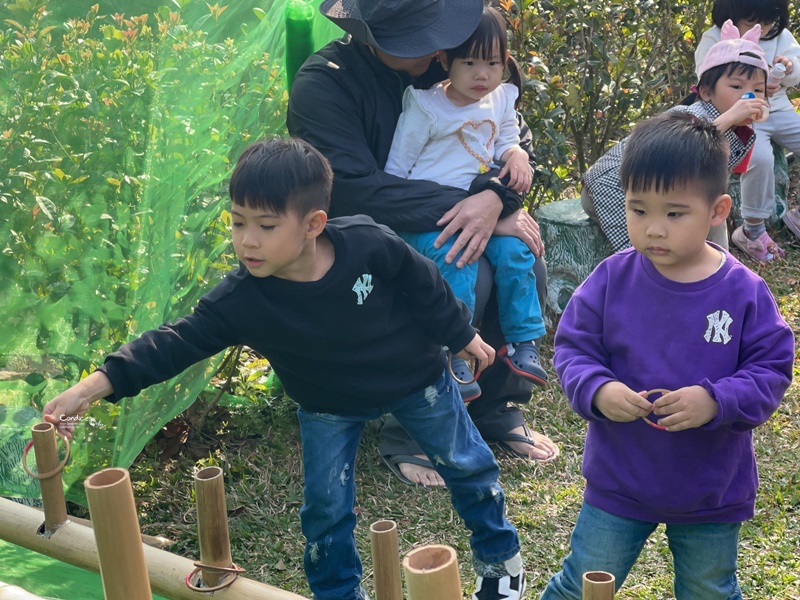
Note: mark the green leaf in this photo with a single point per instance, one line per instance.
(47, 206)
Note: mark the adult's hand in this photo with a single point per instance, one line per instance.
(521, 224)
(476, 216)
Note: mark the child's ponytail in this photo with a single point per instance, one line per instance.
(515, 78)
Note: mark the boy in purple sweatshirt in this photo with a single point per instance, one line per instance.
(673, 313)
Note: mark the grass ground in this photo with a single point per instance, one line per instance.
(258, 448)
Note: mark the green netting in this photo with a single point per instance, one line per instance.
(118, 128)
(48, 577)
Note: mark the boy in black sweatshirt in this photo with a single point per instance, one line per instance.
(353, 321)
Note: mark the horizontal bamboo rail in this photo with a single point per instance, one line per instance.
(74, 544)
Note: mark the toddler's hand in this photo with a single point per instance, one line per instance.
(620, 403)
(686, 408)
(480, 351)
(518, 170)
(747, 110)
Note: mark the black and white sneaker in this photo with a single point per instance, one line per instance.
(508, 587)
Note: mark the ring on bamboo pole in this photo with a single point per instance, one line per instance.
(52, 472)
(453, 375)
(661, 391)
(234, 570)
(598, 585)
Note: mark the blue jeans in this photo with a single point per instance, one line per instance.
(704, 555)
(520, 313)
(438, 420)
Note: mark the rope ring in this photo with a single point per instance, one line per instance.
(661, 391)
(453, 375)
(51, 473)
(234, 570)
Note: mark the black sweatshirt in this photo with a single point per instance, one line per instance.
(368, 333)
(346, 103)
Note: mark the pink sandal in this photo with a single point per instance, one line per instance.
(764, 249)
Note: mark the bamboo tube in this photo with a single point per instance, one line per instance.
(432, 573)
(53, 502)
(116, 531)
(212, 524)
(12, 592)
(598, 585)
(75, 545)
(386, 560)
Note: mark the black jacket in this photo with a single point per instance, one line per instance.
(367, 334)
(346, 103)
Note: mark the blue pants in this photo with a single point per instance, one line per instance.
(518, 303)
(704, 555)
(438, 420)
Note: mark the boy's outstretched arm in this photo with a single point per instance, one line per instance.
(75, 401)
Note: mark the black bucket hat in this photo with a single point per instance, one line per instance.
(406, 28)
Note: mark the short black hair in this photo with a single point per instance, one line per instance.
(489, 35)
(282, 175)
(675, 149)
(762, 11)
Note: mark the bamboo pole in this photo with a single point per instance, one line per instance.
(47, 463)
(598, 585)
(116, 531)
(432, 573)
(75, 545)
(386, 560)
(12, 592)
(212, 524)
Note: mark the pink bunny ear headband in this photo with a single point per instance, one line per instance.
(731, 48)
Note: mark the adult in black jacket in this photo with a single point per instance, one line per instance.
(346, 100)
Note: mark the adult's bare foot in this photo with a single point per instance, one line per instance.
(530, 444)
(419, 474)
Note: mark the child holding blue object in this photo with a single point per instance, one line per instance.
(452, 133)
(353, 322)
(782, 126)
(678, 313)
(732, 69)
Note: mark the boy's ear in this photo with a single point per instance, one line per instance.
(443, 61)
(315, 222)
(720, 210)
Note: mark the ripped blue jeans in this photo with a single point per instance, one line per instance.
(437, 419)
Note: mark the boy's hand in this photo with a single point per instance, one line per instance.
(686, 408)
(480, 351)
(65, 410)
(620, 403)
(518, 170)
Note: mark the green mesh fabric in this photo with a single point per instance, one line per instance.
(118, 129)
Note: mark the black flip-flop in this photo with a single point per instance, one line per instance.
(393, 461)
(527, 439)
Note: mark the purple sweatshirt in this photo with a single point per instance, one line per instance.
(627, 322)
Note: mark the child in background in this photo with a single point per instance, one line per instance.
(782, 126)
(451, 134)
(353, 322)
(674, 312)
(732, 68)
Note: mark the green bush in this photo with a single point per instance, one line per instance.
(595, 67)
